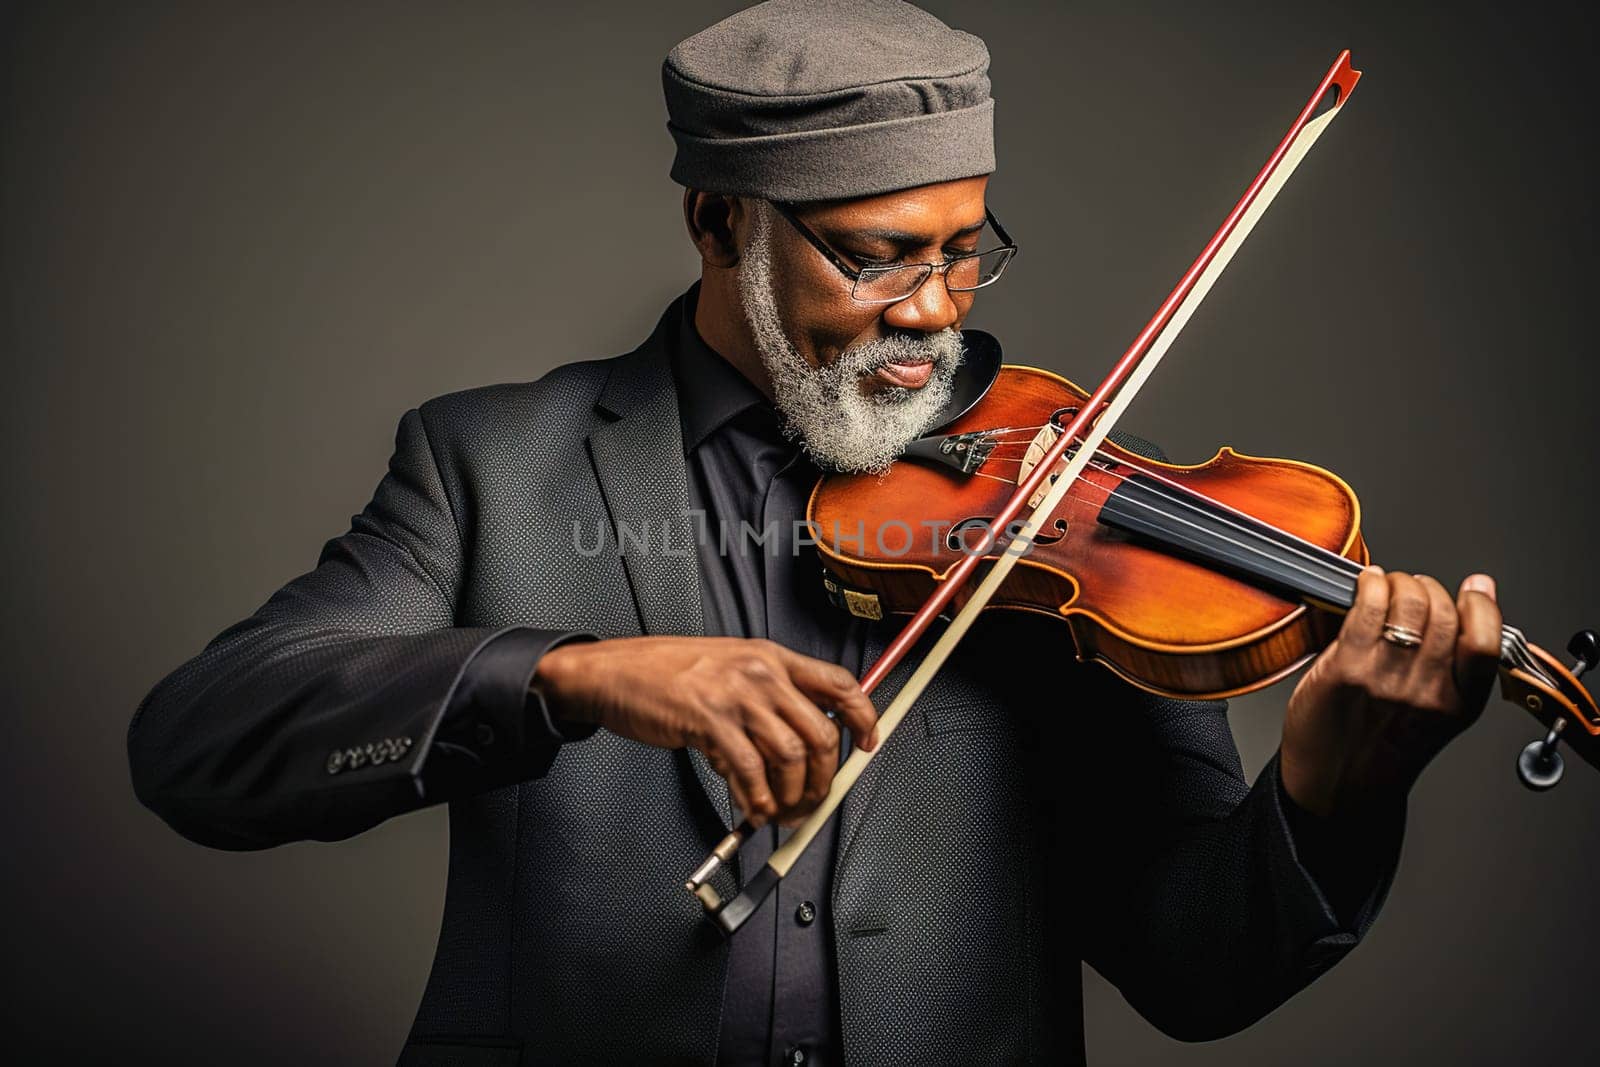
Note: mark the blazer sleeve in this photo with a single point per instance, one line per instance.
(351, 695)
(1214, 900)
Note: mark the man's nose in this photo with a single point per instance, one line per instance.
(928, 310)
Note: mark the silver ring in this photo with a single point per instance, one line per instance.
(1403, 636)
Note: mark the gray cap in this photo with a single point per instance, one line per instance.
(828, 99)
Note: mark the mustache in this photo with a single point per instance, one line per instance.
(941, 348)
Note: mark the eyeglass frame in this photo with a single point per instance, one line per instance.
(787, 210)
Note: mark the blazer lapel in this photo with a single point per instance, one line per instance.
(638, 461)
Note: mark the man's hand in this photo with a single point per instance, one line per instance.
(752, 706)
(1370, 713)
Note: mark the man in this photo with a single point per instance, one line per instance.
(529, 622)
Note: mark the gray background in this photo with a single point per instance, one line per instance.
(239, 242)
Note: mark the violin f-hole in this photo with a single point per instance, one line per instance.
(956, 539)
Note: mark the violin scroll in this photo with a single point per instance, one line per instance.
(1538, 683)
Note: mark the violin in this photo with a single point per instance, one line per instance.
(1203, 581)
(1196, 582)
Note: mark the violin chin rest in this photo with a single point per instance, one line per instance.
(979, 368)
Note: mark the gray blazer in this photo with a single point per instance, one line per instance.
(1031, 813)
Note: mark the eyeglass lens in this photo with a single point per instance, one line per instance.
(885, 284)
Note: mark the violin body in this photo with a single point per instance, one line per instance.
(1161, 619)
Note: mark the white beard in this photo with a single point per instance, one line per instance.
(840, 425)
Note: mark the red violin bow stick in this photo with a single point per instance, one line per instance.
(1342, 78)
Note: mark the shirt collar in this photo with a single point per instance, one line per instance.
(711, 391)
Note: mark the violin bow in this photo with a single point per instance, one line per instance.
(1094, 420)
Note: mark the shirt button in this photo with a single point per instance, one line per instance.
(805, 915)
(795, 1057)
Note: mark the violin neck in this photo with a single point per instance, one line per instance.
(1188, 524)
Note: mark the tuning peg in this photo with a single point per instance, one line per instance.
(1540, 766)
(1585, 647)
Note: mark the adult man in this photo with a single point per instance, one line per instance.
(464, 642)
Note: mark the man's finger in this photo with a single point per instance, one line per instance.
(1408, 608)
(1439, 639)
(820, 735)
(1363, 624)
(1477, 656)
(831, 686)
(746, 772)
(783, 751)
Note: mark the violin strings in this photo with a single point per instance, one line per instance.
(1183, 492)
(1182, 495)
(1307, 550)
(1256, 551)
(1247, 548)
(1316, 555)
(1514, 644)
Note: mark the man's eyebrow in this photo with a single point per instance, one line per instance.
(905, 238)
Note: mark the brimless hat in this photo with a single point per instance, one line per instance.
(828, 99)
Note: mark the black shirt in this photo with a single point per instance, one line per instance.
(759, 579)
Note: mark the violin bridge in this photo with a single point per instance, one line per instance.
(1030, 459)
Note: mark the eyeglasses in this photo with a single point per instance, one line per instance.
(892, 284)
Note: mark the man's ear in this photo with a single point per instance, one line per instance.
(712, 219)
